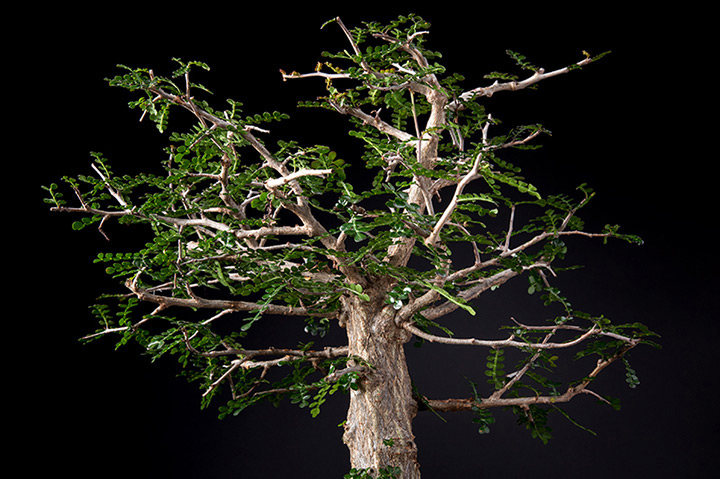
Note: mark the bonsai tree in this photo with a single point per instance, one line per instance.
(411, 225)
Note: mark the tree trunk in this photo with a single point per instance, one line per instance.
(378, 430)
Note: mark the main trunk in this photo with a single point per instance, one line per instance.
(378, 430)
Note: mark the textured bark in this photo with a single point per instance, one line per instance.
(378, 430)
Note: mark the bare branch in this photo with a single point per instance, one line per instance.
(570, 327)
(242, 233)
(497, 343)
(466, 404)
(247, 361)
(409, 48)
(234, 365)
(471, 293)
(510, 229)
(115, 194)
(469, 177)
(165, 302)
(275, 182)
(94, 211)
(514, 378)
(355, 48)
(114, 330)
(373, 121)
(331, 76)
(512, 85)
(248, 354)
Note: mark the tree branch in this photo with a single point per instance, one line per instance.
(248, 362)
(471, 293)
(469, 177)
(467, 404)
(498, 343)
(165, 302)
(275, 182)
(373, 121)
(513, 85)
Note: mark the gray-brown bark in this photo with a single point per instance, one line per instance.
(378, 430)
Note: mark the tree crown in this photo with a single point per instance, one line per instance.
(421, 223)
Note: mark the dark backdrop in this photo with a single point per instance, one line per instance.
(631, 126)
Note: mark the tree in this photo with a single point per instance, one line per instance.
(241, 229)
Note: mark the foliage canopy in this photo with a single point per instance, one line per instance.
(241, 227)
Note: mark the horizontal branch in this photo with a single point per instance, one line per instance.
(505, 251)
(330, 378)
(275, 182)
(288, 355)
(94, 211)
(330, 76)
(497, 343)
(569, 327)
(198, 222)
(113, 330)
(297, 230)
(165, 302)
(326, 353)
(467, 404)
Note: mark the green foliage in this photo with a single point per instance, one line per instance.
(389, 472)
(232, 237)
(534, 419)
(481, 416)
(298, 386)
(495, 368)
(344, 383)
(630, 375)
(521, 61)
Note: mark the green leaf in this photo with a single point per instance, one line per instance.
(521, 60)
(630, 375)
(358, 291)
(453, 299)
(567, 416)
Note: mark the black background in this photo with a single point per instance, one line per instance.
(631, 126)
